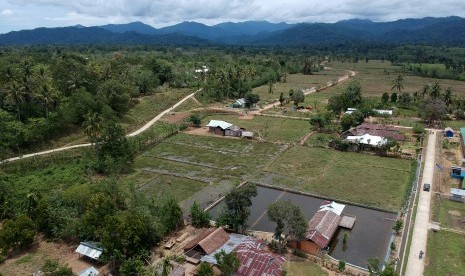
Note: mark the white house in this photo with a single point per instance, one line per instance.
(368, 139)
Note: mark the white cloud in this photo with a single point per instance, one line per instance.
(163, 12)
(6, 12)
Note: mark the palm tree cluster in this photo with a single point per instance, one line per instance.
(28, 86)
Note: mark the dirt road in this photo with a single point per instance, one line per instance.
(308, 91)
(137, 132)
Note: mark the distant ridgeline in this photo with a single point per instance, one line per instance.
(446, 31)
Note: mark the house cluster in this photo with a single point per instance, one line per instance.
(254, 257)
(375, 135)
(322, 227)
(458, 172)
(227, 129)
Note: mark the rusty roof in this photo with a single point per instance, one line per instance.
(209, 240)
(195, 241)
(378, 130)
(256, 261)
(322, 226)
(214, 241)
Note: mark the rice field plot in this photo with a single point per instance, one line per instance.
(360, 178)
(157, 185)
(208, 160)
(281, 130)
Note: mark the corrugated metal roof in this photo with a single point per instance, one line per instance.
(247, 134)
(240, 101)
(233, 242)
(459, 192)
(324, 223)
(368, 139)
(256, 261)
(218, 123)
(90, 271)
(90, 250)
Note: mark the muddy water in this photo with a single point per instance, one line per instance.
(369, 237)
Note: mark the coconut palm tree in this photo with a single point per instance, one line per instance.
(14, 96)
(47, 95)
(448, 96)
(435, 91)
(92, 126)
(398, 83)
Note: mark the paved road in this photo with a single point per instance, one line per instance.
(137, 132)
(415, 266)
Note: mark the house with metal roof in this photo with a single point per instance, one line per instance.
(224, 128)
(256, 261)
(239, 103)
(367, 139)
(386, 131)
(90, 271)
(321, 228)
(89, 249)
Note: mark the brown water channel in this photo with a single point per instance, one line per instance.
(369, 238)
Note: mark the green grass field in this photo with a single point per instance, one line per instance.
(344, 175)
(301, 268)
(377, 77)
(296, 81)
(150, 106)
(444, 255)
(271, 129)
(449, 213)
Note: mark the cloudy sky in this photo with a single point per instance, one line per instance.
(28, 14)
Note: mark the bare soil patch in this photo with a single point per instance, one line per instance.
(175, 117)
(33, 259)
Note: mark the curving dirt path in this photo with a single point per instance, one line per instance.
(349, 74)
(137, 132)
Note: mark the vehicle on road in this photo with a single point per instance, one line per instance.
(426, 187)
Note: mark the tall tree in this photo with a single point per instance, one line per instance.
(200, 218)
(435, 91)
(92, 126)
(227, 262)
(398, 84)
(47, 95)
(298, 97)
(236, 210)
(289, 220)
(15, 96)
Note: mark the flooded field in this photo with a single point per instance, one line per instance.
(369, 237)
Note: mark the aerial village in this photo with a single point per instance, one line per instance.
(334, 177)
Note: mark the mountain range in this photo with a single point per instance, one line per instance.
(449, 31)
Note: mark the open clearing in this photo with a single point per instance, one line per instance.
(367, 179)
(444, 255)
(296, 82)
(303, 268)
(377, 77)
(270, 129)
